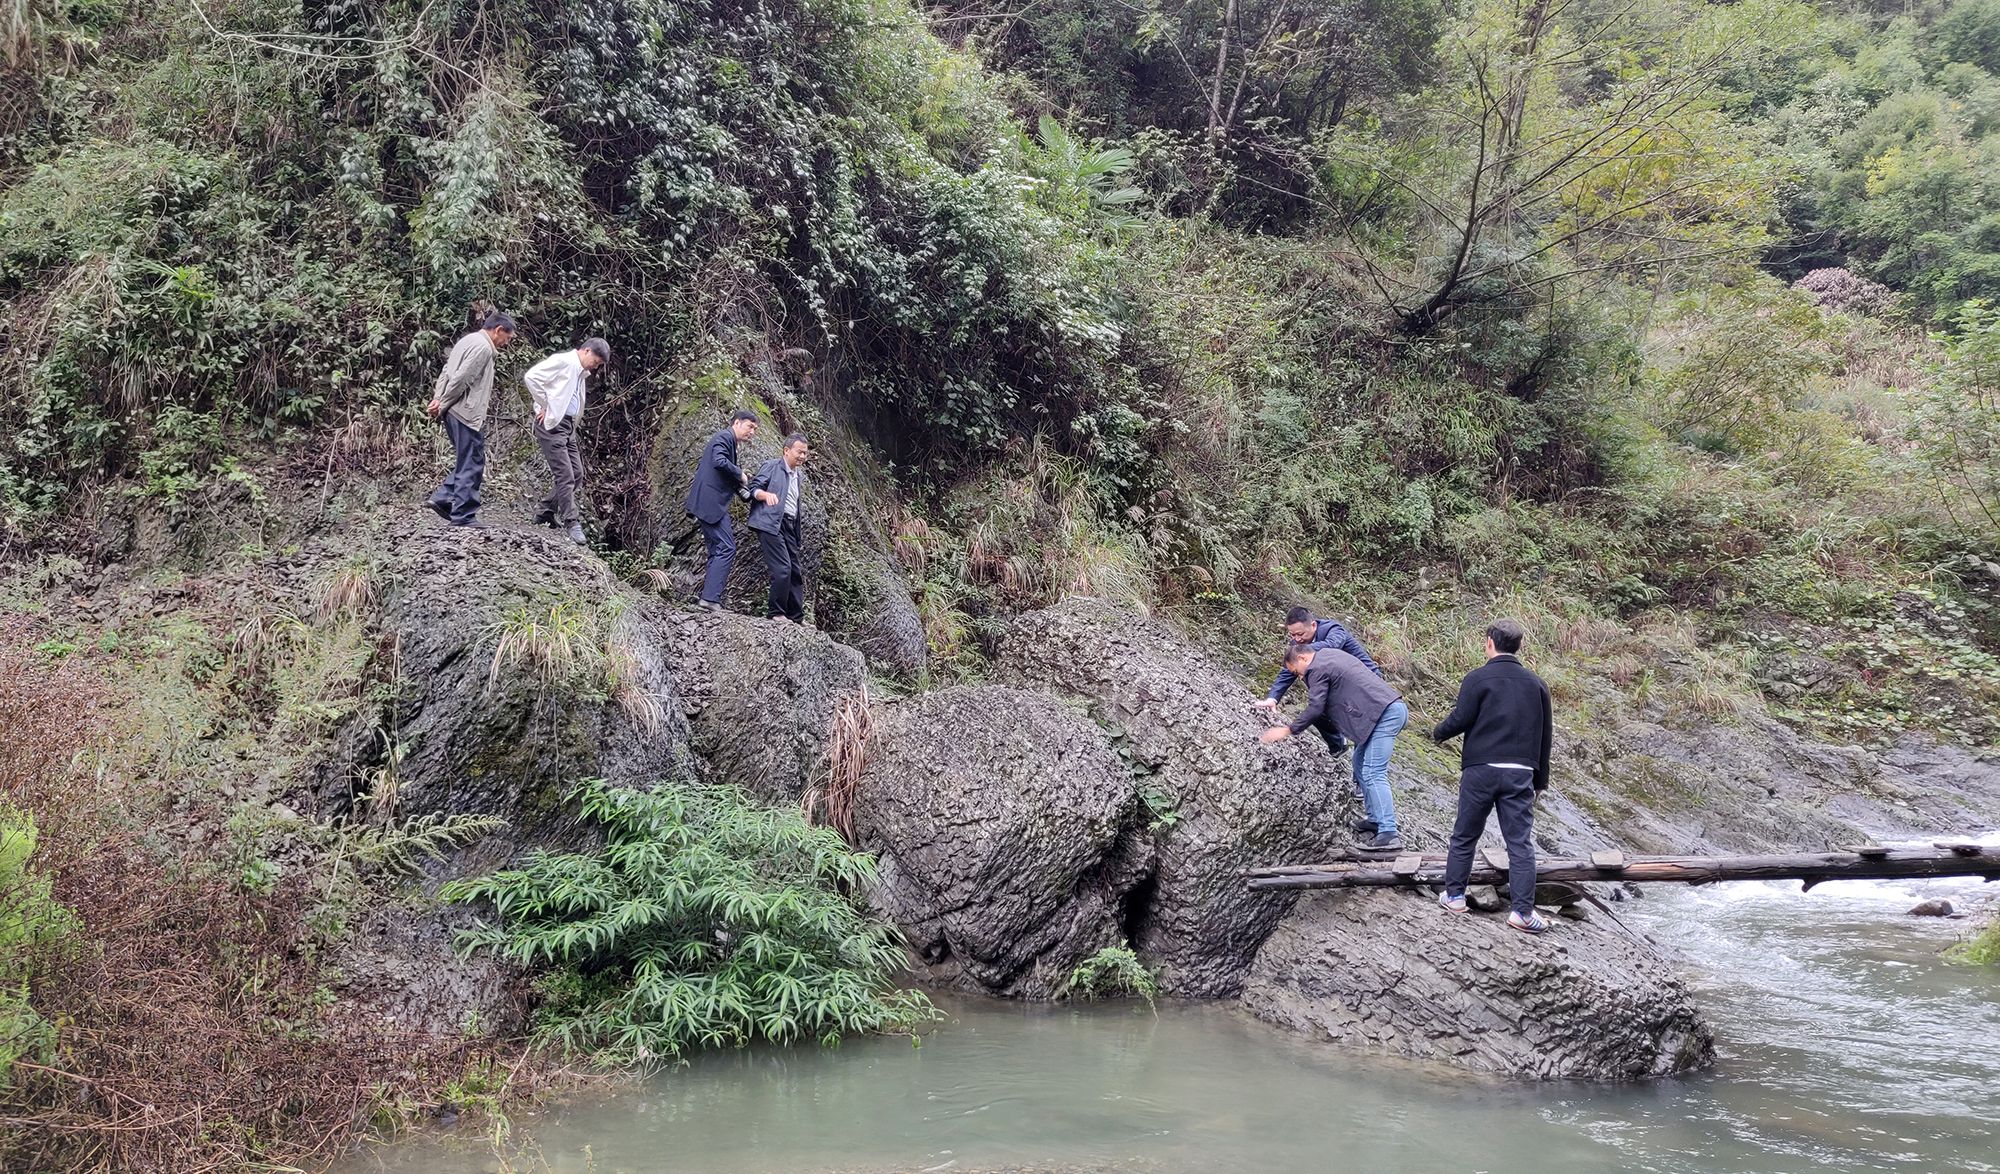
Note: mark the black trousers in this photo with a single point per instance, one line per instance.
(460, 491)
(558, 447)
(788, 577)
(1511, 793)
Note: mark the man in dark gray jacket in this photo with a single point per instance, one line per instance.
(1344, 698)
(464, 389)
(778, 493)
(1506, 716)
(717, 479)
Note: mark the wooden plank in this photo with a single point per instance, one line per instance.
(1407, 865)
(1960, 847)
(1867, 851)
(1495, 857)
(1811, 867)
(1610, 858)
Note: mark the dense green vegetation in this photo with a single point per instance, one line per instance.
(704, 921)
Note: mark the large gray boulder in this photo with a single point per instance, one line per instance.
(759, 697)
(1219, 800)
(463, 740)
(996, 814)
(1389, 971)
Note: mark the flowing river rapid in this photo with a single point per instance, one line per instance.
(1845, 1044)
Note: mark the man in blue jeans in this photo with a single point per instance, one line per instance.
(1507, 719)
(1306, 630)
(1344, 698)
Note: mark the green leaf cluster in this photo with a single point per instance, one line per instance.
(704, 921)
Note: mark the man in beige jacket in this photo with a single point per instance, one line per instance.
(463, 390)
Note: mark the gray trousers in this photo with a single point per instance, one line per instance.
(558, 447)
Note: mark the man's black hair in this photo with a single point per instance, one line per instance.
(1506, 635)
(498, 321)
(1292, 652)
(794, 438)
(598, 347)
(743, 414)
(1298, 615)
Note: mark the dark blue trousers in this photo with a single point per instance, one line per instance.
(1511, 793)
(460, 491)
(721, 556)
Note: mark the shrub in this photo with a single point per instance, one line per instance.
(1983, 949)
(1114, 972)
(704, 921)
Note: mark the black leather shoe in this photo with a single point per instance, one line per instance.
(1385, 841)
(443, 509)
(1363, 827)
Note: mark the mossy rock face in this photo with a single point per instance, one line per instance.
(854, 589)
(475, 741)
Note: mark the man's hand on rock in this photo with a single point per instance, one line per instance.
(1266, 703)
(1275, 734)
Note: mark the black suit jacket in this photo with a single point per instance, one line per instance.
(1506, 716)
(716, 479)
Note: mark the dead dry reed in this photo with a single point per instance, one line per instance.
(831, 801)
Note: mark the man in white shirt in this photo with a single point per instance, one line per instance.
(777, 495)
(464, 386)
(556, 384)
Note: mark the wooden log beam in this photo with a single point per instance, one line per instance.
(1871, 863)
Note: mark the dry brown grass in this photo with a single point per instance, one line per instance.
(831, 802)
(196, 1034)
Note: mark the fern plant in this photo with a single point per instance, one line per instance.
(1111, 973)
(704, 921)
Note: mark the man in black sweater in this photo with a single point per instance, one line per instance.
(1504, 712)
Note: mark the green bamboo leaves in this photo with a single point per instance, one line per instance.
(704, 921)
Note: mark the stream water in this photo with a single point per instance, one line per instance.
(1845, 1044)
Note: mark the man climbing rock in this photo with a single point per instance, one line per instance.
(1344, 698)
(1507, 719)
(779, 489)
(1305, 631)
(556, 385)
(464, 388)
(717, 479)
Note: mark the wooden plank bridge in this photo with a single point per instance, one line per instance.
(1357, 869)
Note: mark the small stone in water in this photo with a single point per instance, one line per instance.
(1933, 908)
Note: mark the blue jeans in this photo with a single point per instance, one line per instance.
(1371, 767)
(460, 491)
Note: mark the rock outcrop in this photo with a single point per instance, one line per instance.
(759, 697)
(997, 817)
(1388, 971)
(1219, 801)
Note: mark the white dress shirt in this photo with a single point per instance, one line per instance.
(791, 492)
(556, 383)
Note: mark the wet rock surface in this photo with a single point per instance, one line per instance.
(1389, 971)
(997, 815)
(759, 697)
(1219, 801)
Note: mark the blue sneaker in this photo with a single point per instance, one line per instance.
(1454, 904)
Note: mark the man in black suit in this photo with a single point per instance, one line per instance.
(779, 493)
(717, 479)
(1507, 719)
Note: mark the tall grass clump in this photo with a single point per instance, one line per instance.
(555, 647)
(1983, 949)
(703, 921)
